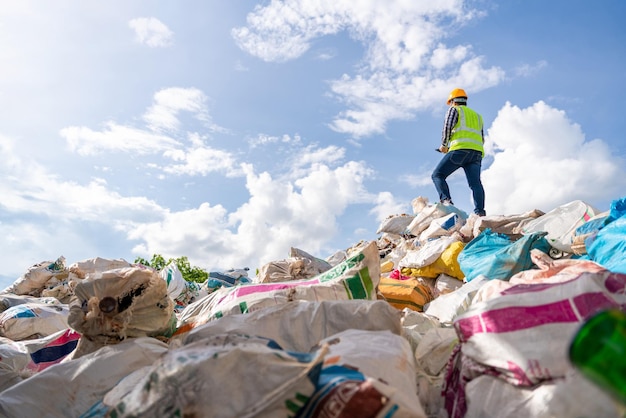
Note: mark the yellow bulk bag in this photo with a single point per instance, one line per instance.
(400, 294)
(446, 263)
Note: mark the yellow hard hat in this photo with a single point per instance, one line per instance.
(456, 93)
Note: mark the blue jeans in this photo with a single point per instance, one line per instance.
(470, 161)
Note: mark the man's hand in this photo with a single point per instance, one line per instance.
(443, 149)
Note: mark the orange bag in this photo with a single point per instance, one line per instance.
(411, 293)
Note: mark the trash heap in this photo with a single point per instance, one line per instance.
(443, 315)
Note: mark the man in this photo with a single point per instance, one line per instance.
(462, 143)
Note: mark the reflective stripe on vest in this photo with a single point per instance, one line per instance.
(466, 134)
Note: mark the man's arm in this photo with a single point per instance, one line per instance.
(452, 116)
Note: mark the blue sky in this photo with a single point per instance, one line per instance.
(229, 132)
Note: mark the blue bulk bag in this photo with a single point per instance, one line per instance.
(591, 226)
(618, 209)
(609, 246)
(495, 256)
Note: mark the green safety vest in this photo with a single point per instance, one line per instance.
(467, 133)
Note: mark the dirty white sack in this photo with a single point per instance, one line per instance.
(300, 325)
(70, 388)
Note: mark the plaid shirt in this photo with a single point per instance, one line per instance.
(452, 117)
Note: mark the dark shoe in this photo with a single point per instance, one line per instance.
(447, 202)
(481, 213)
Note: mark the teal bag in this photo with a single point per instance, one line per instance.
(609, 246)
(495, 256)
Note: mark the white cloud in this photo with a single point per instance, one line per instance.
(325, 54)
(301, 212)
(264, 139)
(542, 160)
(199, 159)
(279, 213)
(417, 180)
(29, 188)
(7, 149)
(299, 209)
(314, 156)
(201, 234)
(151, 31)
(30, 244)
(114, 137)
(192, 158)
(283, 30)
(399, 31)
(48, 216)
(169, 102)
(387, 204)
(406, 68)
(443, 56)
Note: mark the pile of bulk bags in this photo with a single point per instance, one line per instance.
(444, 315)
